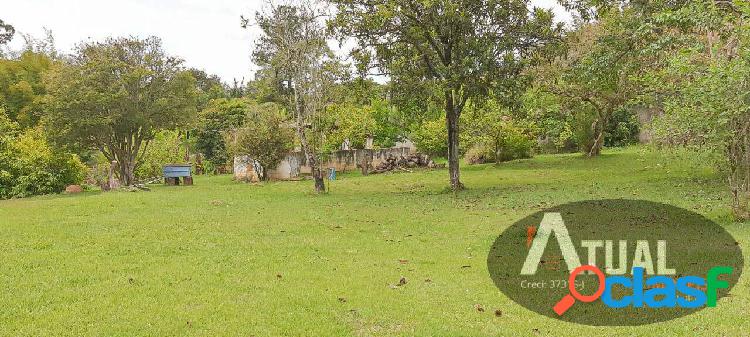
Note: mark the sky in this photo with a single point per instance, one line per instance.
(205, 33)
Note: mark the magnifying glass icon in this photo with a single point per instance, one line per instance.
(566, 302)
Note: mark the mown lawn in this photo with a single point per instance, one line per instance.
(229, 259)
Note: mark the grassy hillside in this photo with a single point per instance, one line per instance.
(224, 258)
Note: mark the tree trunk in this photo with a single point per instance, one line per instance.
(111, 183)
(366, 161)
(127, 171)
(312, 161)
(596, 147)
(597, 130)
(124, 162)
(187, 146)
(497, 150)
(320, 185)
(452, 116)
(738, 153)
(124, 153)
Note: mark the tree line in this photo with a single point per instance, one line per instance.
(486, 80)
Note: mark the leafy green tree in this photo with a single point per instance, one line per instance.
(494, 132)
(294, 56)
(209, 87)
(368, 102)
(22, 88)
(390, 124)
(357, 122)
(238, 89)
(166, 147)
(462, 49)
(220, 116)
(29, 165)
(430, 137)
(6, 32)
(265, 136)
(116, 95)
(348, 122)
(593, 78)
(554, 125)
(703, 88)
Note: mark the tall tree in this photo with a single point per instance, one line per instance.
(264, 136)
(590, 80)
(220, 116)
(209, 87)
(593, 75)
(294, 55)
(22, 87)
(115, 95)
(703, 89)
(6, 32)
(461, 48)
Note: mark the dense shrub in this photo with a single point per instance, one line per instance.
(622, 129)
(478, 154)
(30, 166)
(513, 143)
(348, 122)
(265, 136)
(219, 116)
(504, 141)
(493, 132)
(355, 122)
(554, 125)
(431, 137)
(166, 148)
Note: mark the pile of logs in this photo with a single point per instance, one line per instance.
(405, 163)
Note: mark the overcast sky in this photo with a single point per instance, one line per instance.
(206, 33)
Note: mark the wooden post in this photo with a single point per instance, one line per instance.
(366, 161)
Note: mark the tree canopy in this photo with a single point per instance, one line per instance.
(452, 51)
(294, 56)
(6, 32)
(115, 95)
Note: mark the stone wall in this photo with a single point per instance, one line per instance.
(246, 169)
(294, 165)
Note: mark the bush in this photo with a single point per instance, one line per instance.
(30, 166)
(431, 137)
(503, 141)
(348, 122)
(492, 134)
(479, 154)
(512, 144)
(554, 125)
(220, 116)
(166, 148)
(265, 136)
(622, 129)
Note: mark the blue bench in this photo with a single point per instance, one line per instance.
(173, 173)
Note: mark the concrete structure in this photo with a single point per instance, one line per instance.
(294, 165)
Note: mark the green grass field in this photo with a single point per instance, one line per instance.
(229, 259)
